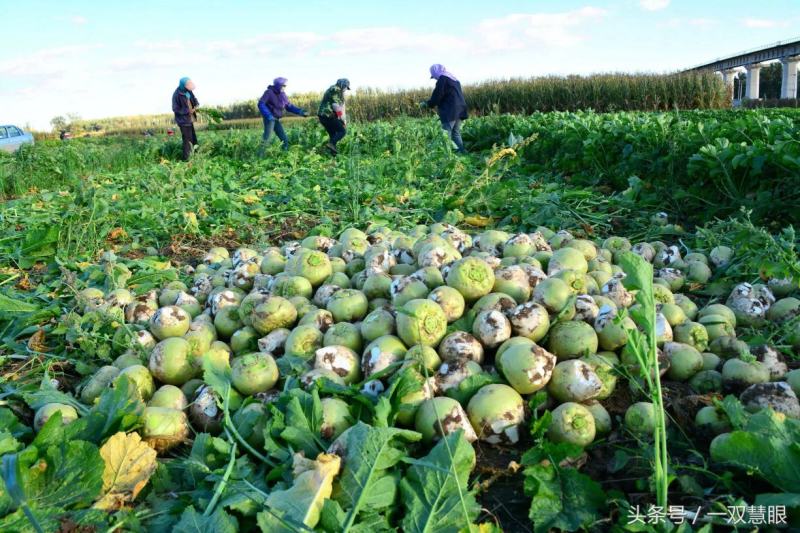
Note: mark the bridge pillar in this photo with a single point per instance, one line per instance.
(753, 77)
(727, 78)
(789, 80)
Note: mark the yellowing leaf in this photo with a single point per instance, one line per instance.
(477, 221)
(250, 198)
(129, 463)
(302, 502)
(36, 343)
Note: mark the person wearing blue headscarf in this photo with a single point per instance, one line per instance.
(184, 105)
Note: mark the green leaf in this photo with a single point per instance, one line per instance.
(274, 520)
(46, 395)
(332, 517)
(291, 365)
(470, 385)
(146, 280)
(208, 453)
(39, 244)
(246, 488)
(118, 409)
(217, 374)
(303, 419)
(218, 522)
(788, 499)
(562, 497)
(366, 483)
(768, 447)
(735, 411)
(372, 523)
(10, 423)
(67, 475)
(383, 412)
(8, 443)
(12, 305)
(464, 323)
(639, 277)
(434, 489)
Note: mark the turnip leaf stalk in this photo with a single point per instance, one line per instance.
(639, 277)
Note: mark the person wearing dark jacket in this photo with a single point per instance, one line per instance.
(272, 105)
(332, 114)
(449, 100)
(185, 105)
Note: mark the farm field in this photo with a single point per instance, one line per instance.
(588, 318)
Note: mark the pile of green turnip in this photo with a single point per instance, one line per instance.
(529, 312)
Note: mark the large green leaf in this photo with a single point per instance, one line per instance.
(562, 497)
(118, 409)
(218, 522)
(15, 305)
(434, 489)
(303, 419)
(39, 244)
(12, 429)
(367, 483)
(639, 277)
(69, 474)
(769, 446)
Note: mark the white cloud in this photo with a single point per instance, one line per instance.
(388, 39)
(522, 30)
(47, 62)
(145, 71)
(146, 62)
(764, 23)
(78, 20)
(654, 5)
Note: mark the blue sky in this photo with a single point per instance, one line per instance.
(100, 59)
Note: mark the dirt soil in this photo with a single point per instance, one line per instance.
(502, 495)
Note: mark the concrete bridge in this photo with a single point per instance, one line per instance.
(787, 52)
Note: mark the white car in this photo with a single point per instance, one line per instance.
(12, 137)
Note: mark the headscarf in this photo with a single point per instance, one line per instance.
(438, 71)
(278, 84)
(343, 83)
(182, 87)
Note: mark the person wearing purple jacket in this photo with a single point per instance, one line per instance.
(272, 105)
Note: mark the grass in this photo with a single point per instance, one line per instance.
(566, 170)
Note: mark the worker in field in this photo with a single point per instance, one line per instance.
(184, 105)
(272, 105)
(332, 114)
(449, 100)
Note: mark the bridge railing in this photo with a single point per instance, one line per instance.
(745, 52)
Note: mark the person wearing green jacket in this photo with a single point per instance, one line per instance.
(332, 114)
